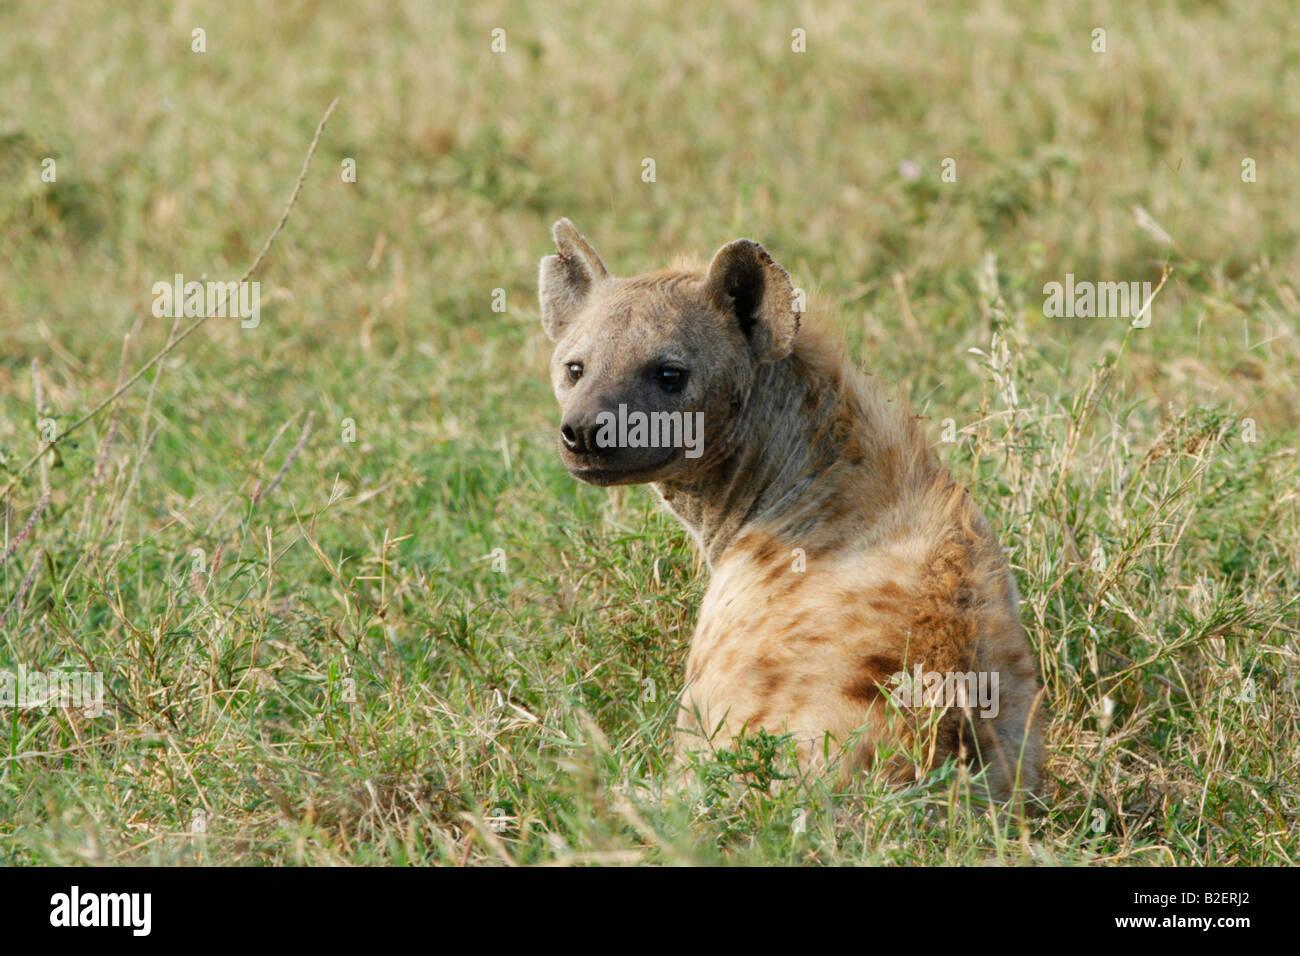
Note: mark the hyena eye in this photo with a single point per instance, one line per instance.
(574, 371)
(671, 379)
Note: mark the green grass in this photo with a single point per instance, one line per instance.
(525, 715)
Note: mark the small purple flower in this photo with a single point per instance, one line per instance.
(909, 170)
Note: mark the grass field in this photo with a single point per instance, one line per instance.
(237, 570)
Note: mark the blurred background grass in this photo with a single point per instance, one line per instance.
(376, 306)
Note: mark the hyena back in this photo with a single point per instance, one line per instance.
(842, 552)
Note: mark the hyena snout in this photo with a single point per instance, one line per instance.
(578, 432)
(597, 450)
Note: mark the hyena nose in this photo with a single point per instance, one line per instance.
(579, 437)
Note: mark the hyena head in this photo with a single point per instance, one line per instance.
(652, 372)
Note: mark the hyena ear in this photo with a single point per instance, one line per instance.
(746, 283)
(567, 278)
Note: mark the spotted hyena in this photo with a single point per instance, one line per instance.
(843, 555)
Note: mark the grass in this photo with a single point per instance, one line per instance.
(513, 640)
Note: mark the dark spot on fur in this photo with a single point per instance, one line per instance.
(774, 574)
(863, 687)
(772, 676)
(873, 674)
(882, 665)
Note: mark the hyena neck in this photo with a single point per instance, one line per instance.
(817, 456)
